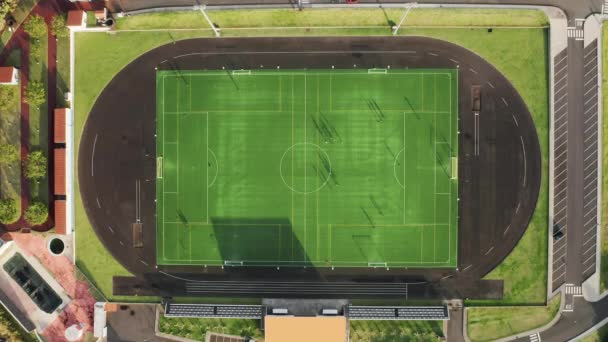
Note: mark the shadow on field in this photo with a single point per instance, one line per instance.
(259, 241)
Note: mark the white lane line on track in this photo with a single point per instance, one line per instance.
(489, 250)
(93, 155)
(98, 204)
(523, 148)
(111, 230)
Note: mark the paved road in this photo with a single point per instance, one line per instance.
(572, 324)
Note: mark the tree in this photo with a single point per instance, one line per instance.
(35, 27)
(8, 210)
(58, 27)
(36, 213)
(35, 166)
(6, 7)
(8, 98)
(8, 154)
(35, 94)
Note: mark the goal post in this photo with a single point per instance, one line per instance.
(241, 72)
(159, 167)
(376, 71)
(454, 167)
(233, 263)
(377, 264)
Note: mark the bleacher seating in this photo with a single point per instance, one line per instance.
(217, 311)
(398, 313)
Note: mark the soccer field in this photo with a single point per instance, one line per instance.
(325, 168)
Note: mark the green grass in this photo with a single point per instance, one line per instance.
(389, 331)
(335, 168)
(39, 118)
(491, 323)
(507, 49)
(196, 328)
(63, 70)
(604, 201)
(600, 335)
(230, 19)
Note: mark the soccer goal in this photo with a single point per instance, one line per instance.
(233, 263)
(241, 72)
(377, 264)
(376, 71)
(159, 167)
(454, 167)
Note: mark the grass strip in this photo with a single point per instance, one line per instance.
(492, 323)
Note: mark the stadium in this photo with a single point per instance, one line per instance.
(309, 167)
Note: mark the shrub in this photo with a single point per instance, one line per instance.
(6, 7)
(58, 27)
(8, 210)
(8, 98)
(8, 153)
(36, 213)
(35, 165)
(35, 27)
(35, 93)
(35, 50)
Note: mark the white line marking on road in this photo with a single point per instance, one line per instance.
(143, 262)
(97, 200)
(505, 101)
(490, 84)
(473, 71)
(111, 230)
(466, 268)
(506, 230)
(589, 267)
(489, 250)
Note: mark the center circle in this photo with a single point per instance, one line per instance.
(305, 168)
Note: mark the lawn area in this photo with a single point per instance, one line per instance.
(491, 323)
(604, 200)
(39, 118)
(600, 335)
(196, 328)
(377, 17)
(10, 133)
(507, 49)
(389, 331)
(63, 70)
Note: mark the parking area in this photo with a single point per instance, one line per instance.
(560, 168)
(590, 160)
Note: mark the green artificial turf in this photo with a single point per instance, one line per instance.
(324, 168)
